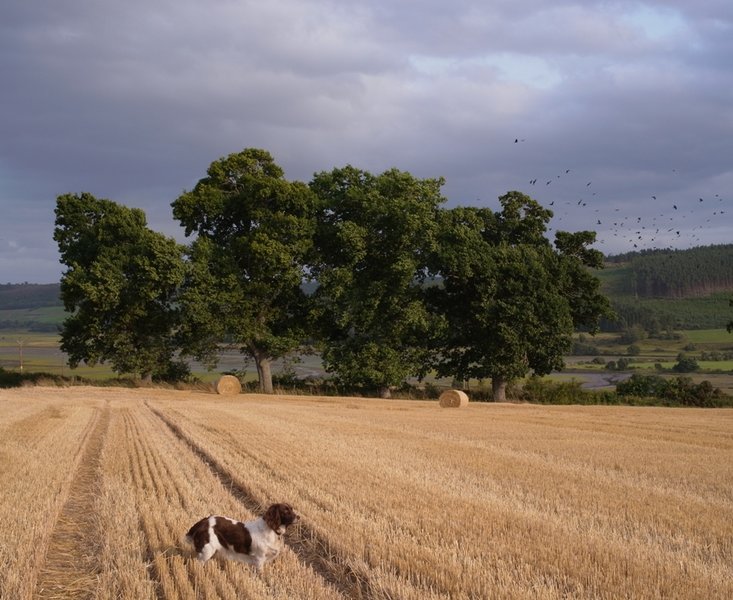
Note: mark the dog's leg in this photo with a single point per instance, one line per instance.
(255, 562)
(206, 553)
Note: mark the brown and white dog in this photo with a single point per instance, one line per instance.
(253, 542)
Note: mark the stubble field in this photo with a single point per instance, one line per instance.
(399, 499)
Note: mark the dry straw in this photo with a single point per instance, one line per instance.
(228, 384)
(453, 399)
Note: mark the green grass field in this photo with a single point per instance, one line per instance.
(710, 336)
(48, 314)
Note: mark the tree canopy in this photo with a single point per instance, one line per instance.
(404, 286)
(374, 235)
(120, 287)
(254, 229)
(510, 301)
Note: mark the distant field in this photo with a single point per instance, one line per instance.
(710, 336)
(41, 353)
(47, 314)
(38, 352)
(705, 365)
(399, 499)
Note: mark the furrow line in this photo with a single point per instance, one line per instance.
(153, 572)
(146, 483)
(70, 565)
(311, 547)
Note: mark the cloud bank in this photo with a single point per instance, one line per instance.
(620, 110)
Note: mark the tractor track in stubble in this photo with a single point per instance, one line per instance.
(69, 567)
(312, 548)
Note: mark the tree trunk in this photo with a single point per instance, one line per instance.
(264, 373)
(498, 388)
(147, 378)
(384, 392)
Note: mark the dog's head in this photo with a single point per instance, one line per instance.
(279, 517)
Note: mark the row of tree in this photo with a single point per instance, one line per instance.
(404, 286)
(28, 295)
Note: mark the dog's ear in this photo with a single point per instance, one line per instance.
(288, 515)
(272, 517)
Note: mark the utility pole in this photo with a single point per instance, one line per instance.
(21, 342)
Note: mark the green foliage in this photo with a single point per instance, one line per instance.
(680, 273)
(502, 299)
(10, 379)
(254, 230)
(639, 390)
(716, 355)
(633, 334)
(685, 364)
(538, 391)
(510, 301)
(622, 364)
(676, 391)
(658, 315)
(374, 234)
(119, 287)
(670, 289)
(582, 346)
(581, 349)
(642, 385)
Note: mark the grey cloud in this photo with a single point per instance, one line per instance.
(132, 101)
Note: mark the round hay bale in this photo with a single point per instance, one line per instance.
(228, 384)
(453, 399)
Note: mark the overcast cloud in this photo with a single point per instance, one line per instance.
(613, 103)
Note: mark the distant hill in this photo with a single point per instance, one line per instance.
(670, 289)
(29, 295)
(689, 273)
(30, 307)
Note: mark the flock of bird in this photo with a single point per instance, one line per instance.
(663, 224)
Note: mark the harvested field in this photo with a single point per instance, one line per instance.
(399, 499)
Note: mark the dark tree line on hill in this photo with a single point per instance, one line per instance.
(667, 290)
(666, 315)
(679, 273)
(28, 295)
(509, 302)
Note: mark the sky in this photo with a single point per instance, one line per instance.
(616, 115)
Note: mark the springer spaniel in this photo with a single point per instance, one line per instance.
(253, 542)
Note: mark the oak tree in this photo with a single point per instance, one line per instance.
(374, 235)
(253, 230)
(510, 301)
(119, 287)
